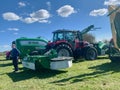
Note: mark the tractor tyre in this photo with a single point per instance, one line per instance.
(90, 53)
(64, 50)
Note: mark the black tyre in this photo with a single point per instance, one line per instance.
(115, 59)
(90, 53)
(34, 53)
(114, 55)
(64, 50)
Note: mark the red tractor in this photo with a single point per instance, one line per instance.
(70, 43)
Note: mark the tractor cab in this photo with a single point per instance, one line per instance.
(67, 36)
(72, 37)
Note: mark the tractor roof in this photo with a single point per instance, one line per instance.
(64, 30)
(75, 31)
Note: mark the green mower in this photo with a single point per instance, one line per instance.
(34, 55)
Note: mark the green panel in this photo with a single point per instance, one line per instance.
(42, 61)
(101, 44)
(45, 62)
(28, 45)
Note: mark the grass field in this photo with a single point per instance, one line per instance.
(85, 75)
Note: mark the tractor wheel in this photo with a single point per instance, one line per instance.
(64, 50)
(91, 54)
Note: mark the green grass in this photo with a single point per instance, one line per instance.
(85, 75)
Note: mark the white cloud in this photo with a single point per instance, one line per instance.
(99, 12)
(13, 29)
(44, 21)
(41, 16)
(21, 4)
(65, 11)
(29, 20)
(49, 5)
(10, 16)
(112, 2)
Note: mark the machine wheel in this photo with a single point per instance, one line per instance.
(112, 52)
(34, 53)
(115, 59)
(64, 50)
(91, 54)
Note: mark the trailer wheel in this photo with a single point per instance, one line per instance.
(64, 50)
(91, 54)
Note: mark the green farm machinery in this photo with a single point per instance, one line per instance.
(101, 47)
(34, 56)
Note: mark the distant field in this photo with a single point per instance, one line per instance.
(85, 75)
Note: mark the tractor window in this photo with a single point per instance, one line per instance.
(58, 36)
(55, 37)
(70, 36)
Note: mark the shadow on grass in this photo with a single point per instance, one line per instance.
(99, 70)
(4, 60)
(6, 64)
(106, 67)
(28, 74)
(78, 60)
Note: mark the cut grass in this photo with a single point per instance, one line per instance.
(99, 74)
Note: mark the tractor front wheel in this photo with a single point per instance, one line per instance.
(64, 50)
(91, 54)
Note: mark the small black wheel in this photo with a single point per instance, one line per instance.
(64, 50)
(91, 53)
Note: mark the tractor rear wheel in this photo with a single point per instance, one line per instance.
(64, 50)
(91, 53)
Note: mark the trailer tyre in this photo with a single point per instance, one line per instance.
(64, 50)
(90, 53)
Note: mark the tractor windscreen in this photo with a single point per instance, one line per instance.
(58, 36)
(64, 35)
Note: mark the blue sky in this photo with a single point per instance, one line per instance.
(33, 18)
